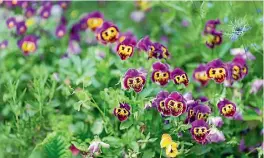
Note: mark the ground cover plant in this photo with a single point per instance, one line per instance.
(131, 79)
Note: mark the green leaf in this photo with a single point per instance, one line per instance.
(148, 154)
(126, 124)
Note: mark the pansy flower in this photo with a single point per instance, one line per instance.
(45, 11)
(28, 44)
(179, 77)
(176, 103)
(21, 27)
(29, 12)
(159, 102)
(160, 73)
(125, 49)
(94, 20)
(210, 26)
(213, 39)
(217, 71)
(191, 112)
(199, 131)
(122, 112)
(202, 112)
(239, 60)
(11, 22)
(226, 108)
(155, 50)
(3, 44)
(134, 79)
(234, 71)
(60, 30)
(108, 33)
(171, 150)
(200, 75)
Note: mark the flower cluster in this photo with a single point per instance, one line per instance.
(211, 35)
(219, 71)
(153, 49)
(134, 79)
(170, 145)
(161, 75)
(170, 104)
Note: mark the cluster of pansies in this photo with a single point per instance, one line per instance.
(221, 72)
(211, 35)
(203, 126)
(41, 10)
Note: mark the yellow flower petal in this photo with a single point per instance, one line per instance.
(171, 150)
(165, 140)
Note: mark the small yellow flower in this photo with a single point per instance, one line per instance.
(171, 150)
(30, 22)
(165, 140)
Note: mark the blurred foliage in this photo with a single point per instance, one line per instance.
(49, 102)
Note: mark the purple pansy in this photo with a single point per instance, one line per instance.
(179, 76)
(134, 79)
(239, 60)
(201, 112)
(125, 49)
(190, 112)
(122, 112)
(176, 103)
(226, 108)
(60, 30)
(45, 11)
(160, 73)
(11, 22)
(29, 12)
(159, 102)
(210, 26)
(199, 131)
(28, 44)
(3, 44)
(108, 33)
(21, 27)
(217, 70)
(155, 50)
(200, 75)
(215, 38)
